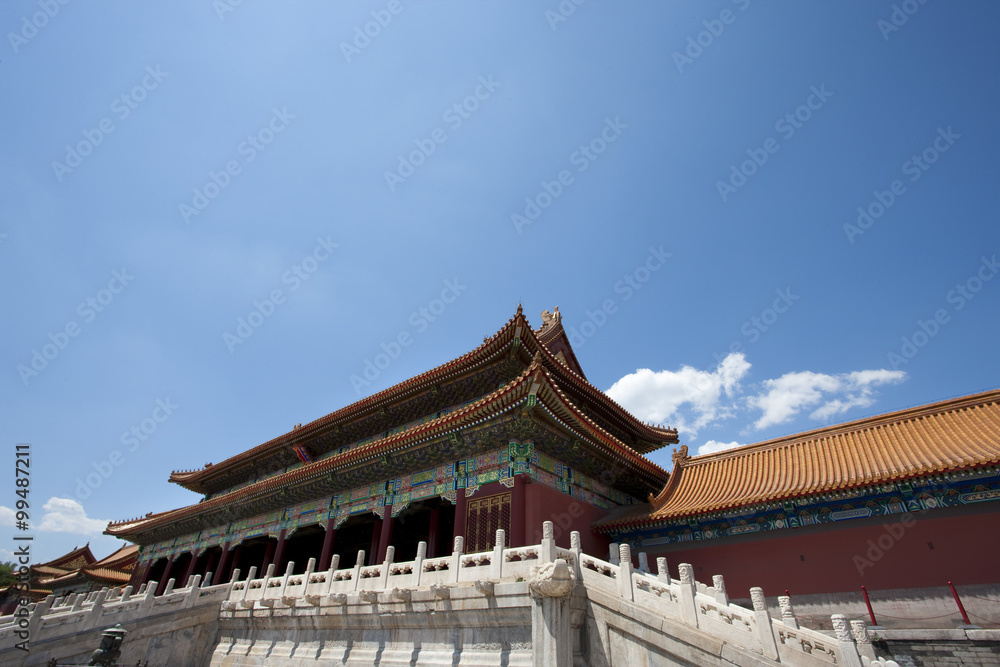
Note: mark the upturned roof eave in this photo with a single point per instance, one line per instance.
(516, 327)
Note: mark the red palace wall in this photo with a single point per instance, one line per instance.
(923, 551)
(567, 514)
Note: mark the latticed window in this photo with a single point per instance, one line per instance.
(485, 517)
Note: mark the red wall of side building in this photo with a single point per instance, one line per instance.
(910, 551)
(567, 514)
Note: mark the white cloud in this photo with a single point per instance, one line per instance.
(658, 396)
(691, 399)
(64, 515)
(831, 395)
(712, 446)
(6, 516)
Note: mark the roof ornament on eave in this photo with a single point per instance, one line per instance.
(549, 320)
(681, 456)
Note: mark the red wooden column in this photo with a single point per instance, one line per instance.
(327, 553)
(237, 554)
(140, 575)
(432, 533)
(517, 510)
(386, 534)
(460, 514)
(268, 555)
(279, 553)
(190, 570)
(166, 575)
(373, 548)
(220, 571)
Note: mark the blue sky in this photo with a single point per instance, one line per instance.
(682, 179)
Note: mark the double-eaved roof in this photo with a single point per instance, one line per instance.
(957, 435)
(556, 355)
(548, 387)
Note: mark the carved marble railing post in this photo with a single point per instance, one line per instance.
(574, 546)
(865, 649)
(141, 591)
(208, 579)
(625, 572)
(147, 598)
(643, 562)
(79, 599)
(719, 584)
(246, 585)
(360, 563)
(35, 620)
(613, 554)
(170, 586)
(334, 565)
(232, 582)
(689, 610)
(126, 594)
(787, 613)
(194, 590)
(310, 568)
(662, 572)
(547, 552)
(496, 564)
(848, 649)
(765, 632)
(456, 557)
(550, 586)
(390, 558)
(418, 562)
(284, 579)
(94, 617)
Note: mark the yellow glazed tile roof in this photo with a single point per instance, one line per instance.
(951, 435)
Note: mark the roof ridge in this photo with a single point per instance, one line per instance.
(874, 421)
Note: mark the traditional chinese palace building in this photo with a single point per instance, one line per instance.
(512, 434)
(506, 436)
